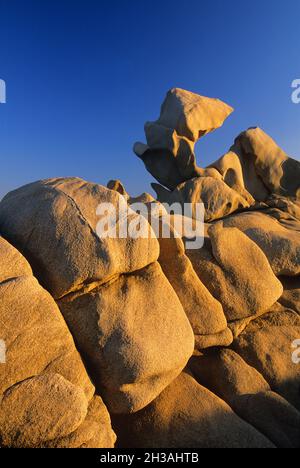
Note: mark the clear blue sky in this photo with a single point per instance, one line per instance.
(84, 75)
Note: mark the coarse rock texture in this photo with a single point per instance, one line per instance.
(176, 318)
(187, 415)
(279, 173)
(226, 374)
(283, 209)
(237, 273)
(238, 171)
(195, 191)
(12, 263)
(256, 163)
(238, 326)
(123, 329)
(45, 392)
(291, 294)
(204, 312)
(91, 433)
(280, 245)
(41, 408)
(191, 292)
(185, 117)
(266, 345)
(118, 187)
(57, 232)
(224, 338)
(254, 169)
(102, 285)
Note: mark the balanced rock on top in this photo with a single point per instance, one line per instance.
(185, 118)
(254, 169)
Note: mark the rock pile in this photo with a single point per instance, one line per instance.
(140, 341)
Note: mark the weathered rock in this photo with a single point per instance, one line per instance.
(56, 231)
(162, 165)
(118, 187)
(256, 163)
(45, 391)
(39, 322)
(187, 415)
(238, 326)
(237, 273)
(225, 373)
(266, 345)
(288, 208)
(12, 264)
(185, 117)
(239, 171)
(279, 172)
(219, 200)
(291, 293)
(280, 245)
(40, 409)
(91, 433)
(224, 338)
(123, 329)
(205, 313)
(132, 303)
(273, 416)
(145, 198)
(285, 219)
(191, 115)
(75, 263)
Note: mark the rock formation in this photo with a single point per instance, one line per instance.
(46, 396)
(145, 341)
(108, 290)
(185, 118)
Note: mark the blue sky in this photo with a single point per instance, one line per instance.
(83, 77)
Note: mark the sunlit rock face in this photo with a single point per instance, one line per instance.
(109, 290)
(185, 118)
(186, 340)
(46, 396)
